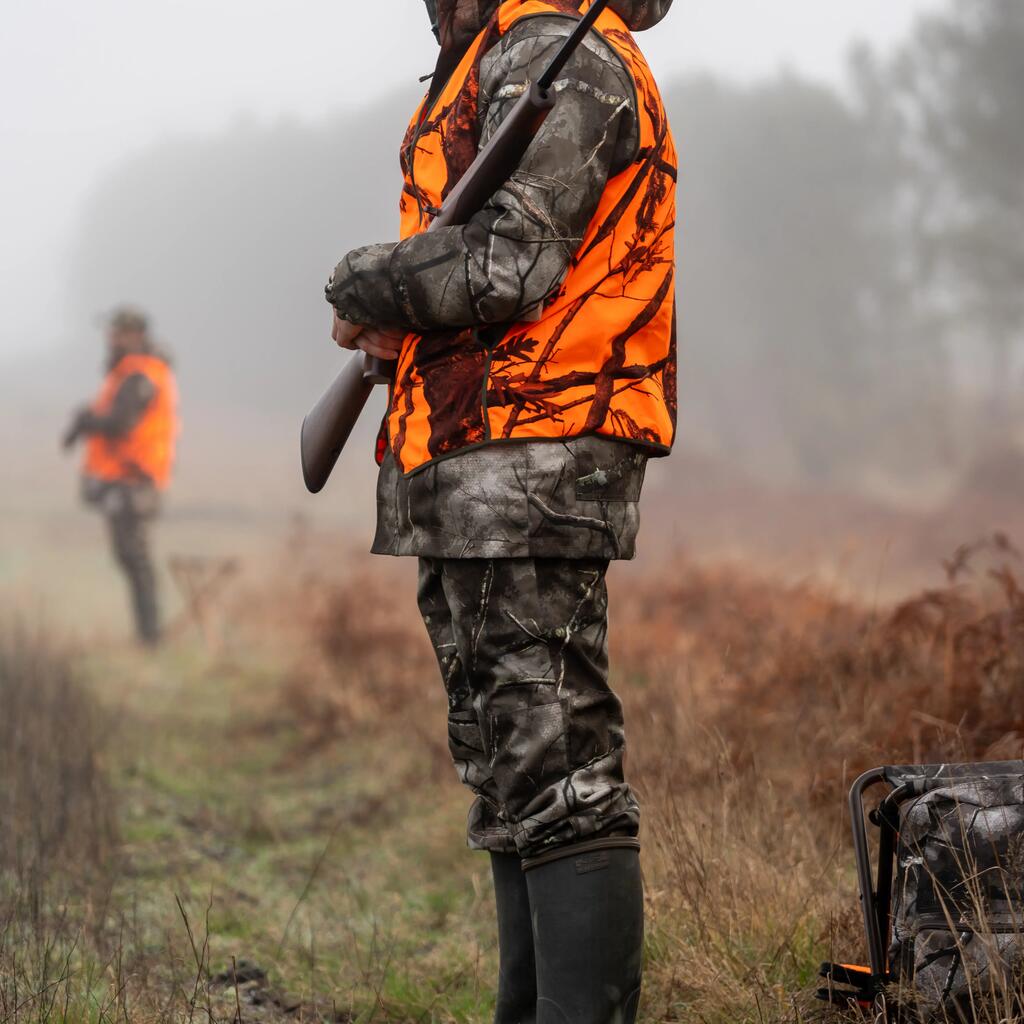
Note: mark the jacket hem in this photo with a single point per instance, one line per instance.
(653, 450)
(500, 549)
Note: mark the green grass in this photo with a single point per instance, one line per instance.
(350, 890)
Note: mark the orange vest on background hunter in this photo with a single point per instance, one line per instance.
(147, 451)
(602, 357)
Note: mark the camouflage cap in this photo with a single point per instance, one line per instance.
(128, 319)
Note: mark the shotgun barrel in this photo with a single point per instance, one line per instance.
(493, 167)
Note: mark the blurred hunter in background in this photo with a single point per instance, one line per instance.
(129, 432)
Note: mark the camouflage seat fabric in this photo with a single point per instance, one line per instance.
(958, 915)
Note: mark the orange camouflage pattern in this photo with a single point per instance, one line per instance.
(601, 358)
(147, 451)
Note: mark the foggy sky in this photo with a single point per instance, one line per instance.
(83, 84)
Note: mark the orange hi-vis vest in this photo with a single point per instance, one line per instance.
(147, 451)
(601, 359)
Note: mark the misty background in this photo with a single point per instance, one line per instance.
(260, 821)
(851, 244)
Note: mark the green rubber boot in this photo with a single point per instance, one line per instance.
(588, 927)
(517, 977)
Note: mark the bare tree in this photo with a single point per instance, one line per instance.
(954, 94)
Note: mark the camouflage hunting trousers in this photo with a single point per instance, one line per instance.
(534, 729)
(129, 511)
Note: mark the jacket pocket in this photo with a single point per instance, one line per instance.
(468, 749)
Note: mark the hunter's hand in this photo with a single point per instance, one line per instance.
(382, 342)
(344, 332)
(75, 430)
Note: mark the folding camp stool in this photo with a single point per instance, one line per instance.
(950, 846)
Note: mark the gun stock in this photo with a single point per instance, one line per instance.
(328, 427)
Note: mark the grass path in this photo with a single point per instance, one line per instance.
(344, 876)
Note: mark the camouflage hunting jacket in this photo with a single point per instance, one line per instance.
(542, 499)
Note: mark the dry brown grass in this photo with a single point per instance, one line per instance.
(58, 833)
(55, 802)
(793, 681)
(813, 689)
(747, 732)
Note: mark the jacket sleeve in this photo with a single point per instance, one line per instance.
(129, 406)
(516, 251)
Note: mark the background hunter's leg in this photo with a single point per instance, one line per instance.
(129, 533)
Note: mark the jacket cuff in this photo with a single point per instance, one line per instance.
(360, 288)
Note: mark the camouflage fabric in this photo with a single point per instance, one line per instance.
(534, 729)
(129, 511)
(577, 499)
(958, 926)
(517, 250)
(129, 406)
